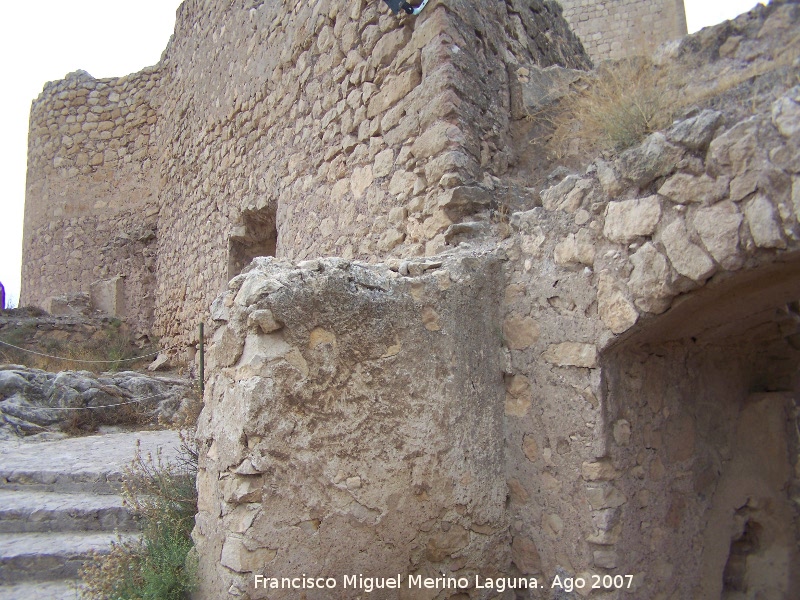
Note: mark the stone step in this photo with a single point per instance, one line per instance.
(67, 589)
(92, 464)
(47, 480)
(58, 505)
(35, 511)
(26, 557)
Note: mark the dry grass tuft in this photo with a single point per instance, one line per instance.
(620, 106)
(501, 216)
(111, 345)
(622, 102)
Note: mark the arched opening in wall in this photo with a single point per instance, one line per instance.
(710, 392)
(257, 235)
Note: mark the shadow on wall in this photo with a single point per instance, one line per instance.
(707, 396)
(256, 236)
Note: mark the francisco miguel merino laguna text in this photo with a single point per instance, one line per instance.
(369, 584)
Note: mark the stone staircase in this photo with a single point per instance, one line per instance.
(59, 503)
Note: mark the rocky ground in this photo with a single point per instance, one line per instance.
(67, 340)
(35, 402)
(60, 488)
(737, 69)
(45, 392)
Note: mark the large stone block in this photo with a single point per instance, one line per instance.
(337, 424)
(393, 91)
(439, 136)
(69, 305)
(653, 158)
(684, 188)
(696, 132)
(628, 219)
(689, 259)
(718, 227)
(616, 311)
(576, 249)
(571, 354)
(786, 113)
(108, 296)
(520, 331)
(763, 223)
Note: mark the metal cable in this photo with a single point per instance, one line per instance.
(99, 407)
(137, 401)
(93, 362)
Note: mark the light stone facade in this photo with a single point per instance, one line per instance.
(644, 355)
(258, 119)
(594, 379)
(619, 28)
(92, 194)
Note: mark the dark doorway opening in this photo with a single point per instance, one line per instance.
(711, 393)
(256, 236)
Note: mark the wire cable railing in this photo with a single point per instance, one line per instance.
(108, 362)
(88, 362)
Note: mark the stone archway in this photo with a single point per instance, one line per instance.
(702, 406)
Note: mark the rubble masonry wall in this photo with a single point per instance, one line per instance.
(92, 198)
(336, 128)
(620, 28)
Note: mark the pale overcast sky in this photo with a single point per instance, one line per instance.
(43, 41)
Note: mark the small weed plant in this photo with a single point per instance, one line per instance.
(160, 565)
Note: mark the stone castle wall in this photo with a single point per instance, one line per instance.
(644, 327)
(336, 105)
(592, 385)
(620, 28)
(337, 135)
(92, 197)
(648, 347)
(329, 107)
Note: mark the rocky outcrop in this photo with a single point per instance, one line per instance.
(34, 402)
(741, 66)
(685, 204)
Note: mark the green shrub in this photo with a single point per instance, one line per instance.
(161, 565)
